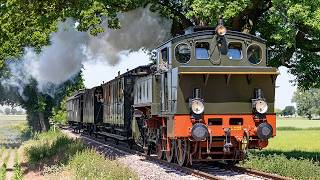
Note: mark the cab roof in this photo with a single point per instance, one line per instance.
(202, 31)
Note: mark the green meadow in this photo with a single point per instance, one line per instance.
(294, 152)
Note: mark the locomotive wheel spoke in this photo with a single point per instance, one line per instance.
(181, 152)
(170, 151)
(159, 151)
(159, 146)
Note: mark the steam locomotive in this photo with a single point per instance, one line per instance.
(208, 96)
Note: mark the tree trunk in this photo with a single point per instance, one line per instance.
(309, 116)
(33, 121)
(44, 122)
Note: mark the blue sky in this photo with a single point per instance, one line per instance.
(97, 72)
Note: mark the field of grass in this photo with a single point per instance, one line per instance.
(294, 152)
(296, 140)
(12, 118)
(12, 129)
(297, 134)
(298, 122)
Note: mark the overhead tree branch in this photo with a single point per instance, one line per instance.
(253, 13)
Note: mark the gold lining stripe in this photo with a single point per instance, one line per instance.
(228, 72)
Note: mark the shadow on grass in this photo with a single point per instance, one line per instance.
(289, 128)
(315, 156)
(10, 145)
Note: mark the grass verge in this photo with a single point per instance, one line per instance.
(91, 165)
(281, 165)
(17, 170)
(60, 156)
(3, 171)
(51, 148)
(3, 168)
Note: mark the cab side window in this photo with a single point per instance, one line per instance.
(254, 54)
(202, 50)
(235, 51)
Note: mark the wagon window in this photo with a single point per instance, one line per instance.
(235, 51)
(147, 89)
(140, 91)
(202, 50)
(165, 54)
(254, 54)
(182, 53)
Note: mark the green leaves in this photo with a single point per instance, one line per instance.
(308, 102)
(209, 11)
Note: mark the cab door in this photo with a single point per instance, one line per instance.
(166, 85)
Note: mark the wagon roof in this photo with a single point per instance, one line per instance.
(77, 94)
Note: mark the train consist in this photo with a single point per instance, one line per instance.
(208, 96)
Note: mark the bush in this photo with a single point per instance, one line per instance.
(88, 164)
(51, 148)
(61, 155)
(279, 164)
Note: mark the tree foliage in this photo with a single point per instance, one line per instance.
(291, 28)
(308, 102)
(288, 111)
(7, 111)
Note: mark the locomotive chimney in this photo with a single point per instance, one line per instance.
(118, 73)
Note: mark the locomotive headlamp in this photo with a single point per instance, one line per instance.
(261, 106)
(199, 132)
(197, 106)
(221, 30)
(264, 131)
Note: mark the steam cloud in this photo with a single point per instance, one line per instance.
(70, 48)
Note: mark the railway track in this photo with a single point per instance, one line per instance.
(215, 171)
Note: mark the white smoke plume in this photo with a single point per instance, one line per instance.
(139, 28)
(69, 49)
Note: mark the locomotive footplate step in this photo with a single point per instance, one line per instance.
(115, 136)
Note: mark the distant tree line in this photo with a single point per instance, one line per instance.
(13, 111)
(288, 111)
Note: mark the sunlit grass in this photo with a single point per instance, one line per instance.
(13, 118)
(290, 140)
